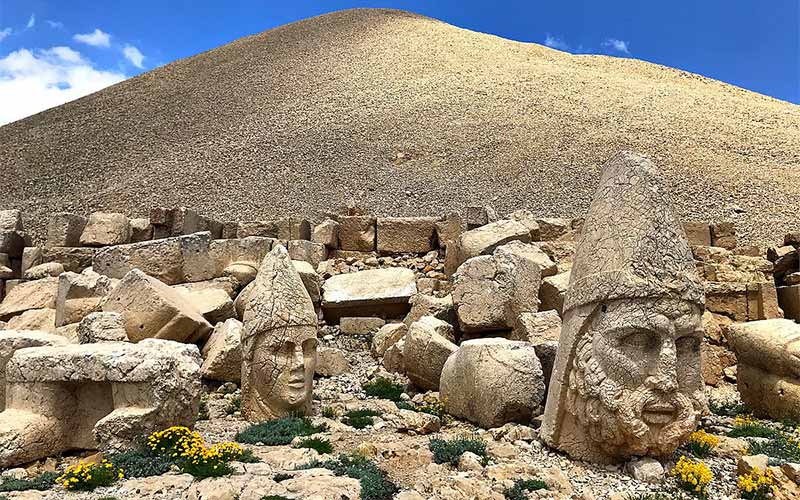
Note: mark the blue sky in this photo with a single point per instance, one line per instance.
(54, 51)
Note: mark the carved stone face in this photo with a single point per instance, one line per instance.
(283, 374)
(636, 385)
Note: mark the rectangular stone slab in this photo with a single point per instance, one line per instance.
(377, 292)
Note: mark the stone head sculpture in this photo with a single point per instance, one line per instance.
(279, 342)
(627, 377)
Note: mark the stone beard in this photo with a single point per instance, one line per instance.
(635, 386)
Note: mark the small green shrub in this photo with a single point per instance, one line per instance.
(281, 476)
(322, 446)
(435, 408)
(202, 411)
(88, 476)
(234, 405)
(279, 432)
(405, 405)
(746, 426)
(360, 419)
(384, 388)
(448, 451)
(780, 449)
(374, 483)
(727, 408)
(521, 488)
(141, 462)
(247, 457)
(329, 412)
(43, 481)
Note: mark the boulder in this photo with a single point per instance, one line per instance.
(12, 341)
(527, 219)
(534, 253)
(483, 240)
(105, 229)
(213, 303)
(141, 230)
(553, 228)
(406, 234)
(46, 270)
(79, 295)
(31, 257)
(492, 382)
(327, 234)
(12, 239)
(538, 327)
(552, 291)
(310, 279)
(102, 327)
(331, 362)
(357, 233)
(307, 251)
(172, 260)
(360, 326)
(38, 294)
(78, 397)
(64, 230)
(293, 228)
(73, 259)
(222, 353)
(426, 350)
(393, 357)
(449, 229)
(34, 319)
(379, 292)
(387, 336)
(151, 309)
(430, 305)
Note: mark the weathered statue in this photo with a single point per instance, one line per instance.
(627, 377)
(279, 342)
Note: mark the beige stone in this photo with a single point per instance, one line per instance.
(307, 251)
(222, 353)
(747, 463)
(449, 229)
(265, 229)
(698, 233)
(553, 228)
(34, 319)
(723, 234)
(552, 292)
(537, 327)
(430, 305)
(331, 362)
(406, 234)
(38, 294)
(359, 325)
(31, 257)
(73, 259)
(79, 295)
(46, 270)
(141, 230)
(214, 304)
(77, 397)
(327, 234)
(714, 360)
(102, 327)
(310, 279)
(492, 382)
(239, 258)
(392, 359)
(64, 230)
(293, 228)
(387, 336)
(533, 253)
(12, 237)
(483, 240)
(151, 309)
(426, 350)
(12, 341)
(321, 484)
(357, 233)
(381, 292)
(105, 229)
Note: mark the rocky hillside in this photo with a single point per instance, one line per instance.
(406, 114)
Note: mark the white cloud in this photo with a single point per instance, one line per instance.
(133, 55)
(32, 81)
(54, 24)
(31, 21)
(96, 38)
(617, 45)
(555, 42)
(4, 33)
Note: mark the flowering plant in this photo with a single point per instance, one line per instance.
(85, 476)
(701, 443)
(692, 476)
(756, 485)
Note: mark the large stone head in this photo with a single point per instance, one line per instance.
(279, 342)
(627, 377)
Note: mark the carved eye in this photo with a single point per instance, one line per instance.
(640, 340)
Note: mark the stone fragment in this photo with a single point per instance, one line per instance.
(533, 253)
(46, 270)
(12, 341)
(307, 251)
(426, 350)
(387, 336)
(38, 294)
(12, 238)
(151, 309)
(698, 233)
(294, 228)
(552, 292)
(417, 422)
(380, 292)
(406, 234)
(553, 228)
(222, 354)
(646, 470)
(327, 234)
(537, 327)
(323, 484)
(141, 230)
(483, 241)
(279, 342)
(747, 463)
(310, 279)
(73, 259)
(102, 327)
(479, 216)
(714, 359)
(227, 284)
(78, 397)
(31, 257)
(214, 304)
(623, 386)
(10, 220)
(172, 222)
(429, 305)
(34, 319)
(357, 233)
(265, 229)
(64, 230)
(492, 382)
(79, 295)
(449, 229)
(239, 258)
(359, 325)
(723, 235)
(331, 362)
(393, 357)
(105, 229)
(172, 260)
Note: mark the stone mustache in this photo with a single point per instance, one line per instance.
(279, 342)
(627, 379)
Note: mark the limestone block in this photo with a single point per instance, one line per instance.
(222, 353)
(230, 256)
(379, 292)
(294, 228)
(327, 234)
(176, 222)
(151, 309)
(360, 325)
(38, 294)
(393, 357)
(492, 382)
(13, 340)
(527, 219)
(214, 304)
(406, 234)
(430, 305)
(105, 229)
(64, 229)
(12, 239)
(79, 295)
(265, 229)
(43, 320)
(698, 233)
(31, 257)
(331, 362)
(552, 292)
(483, 240)
(141, 230)
(426, 350)
(537, 327)
(789, 300)
(95, 396)
(387, 336)
(723, 234)
(172, 260)
(307, 251)
(102, 327)
(310, 279)
(477, 216)
(73, 259)
(357, 233)
(46, 270)
(449, 229)
(553, 228)
(227, 284)
(534, 253)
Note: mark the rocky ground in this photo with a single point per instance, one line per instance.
(398, 442)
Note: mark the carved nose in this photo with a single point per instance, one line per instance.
(297, 361)
(665, 379)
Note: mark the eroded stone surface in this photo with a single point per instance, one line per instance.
(102, 327)
(79, 295)
(627, 378)
(38, 294)
(12, 341)
(222, 354)
(382, 292)
(426, 350)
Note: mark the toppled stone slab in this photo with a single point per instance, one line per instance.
(38, 294)
(429, 305)
(73, 259)
(537, 327)
(426, 350)
(359, 325)
(222, 353)
(151, 309)
(387, 336)
(95, 396)
(483, 240)
(46, 270)
(104, 229)
(552, 292)
(64, 230)
(379, 292)
(12, 341)
(357, 233)
(102, 327)
(214, 304)
(31, 257)
(331, 362)
(493, 382)
(406, 234)
(79, 295)
(172, 260)
(34, 319)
